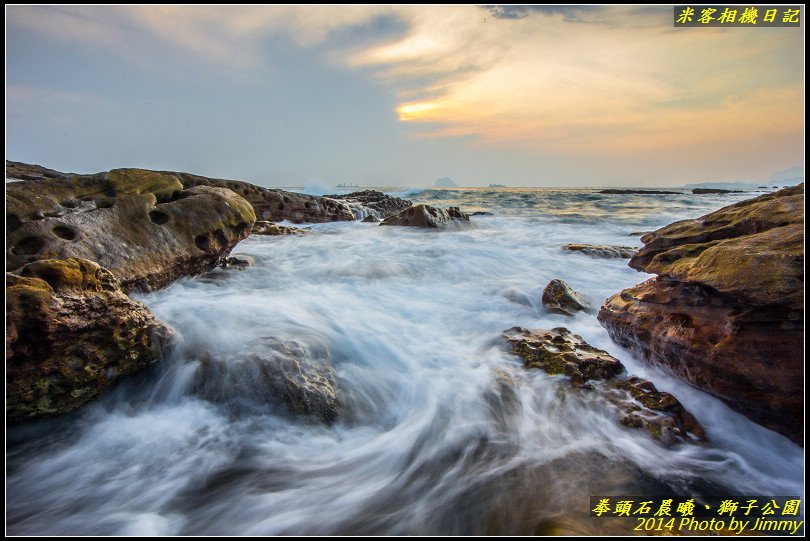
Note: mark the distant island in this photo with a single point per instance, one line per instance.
(347, 186)
(497, 185)
(445, 182)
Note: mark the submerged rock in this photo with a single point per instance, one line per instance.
(726, 312)
(381, 204)
(238, 262)
(426, 216)
(269, 228)
(70, 334)
(558, 297)
(140, 225)
(286, 373)
(370, 219)
(602, 251)
(638, 402)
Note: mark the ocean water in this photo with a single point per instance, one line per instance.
(442, 431)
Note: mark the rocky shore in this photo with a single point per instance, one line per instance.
(724, 313)
(77, 244)
(726, 310)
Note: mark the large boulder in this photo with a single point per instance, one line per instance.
(142, 226)
(726, 312)
(70, 334)
(426, 216)
(636, 401)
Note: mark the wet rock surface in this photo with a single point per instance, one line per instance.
(558, 297)
(269, 228)
(726, 312)
(427, 216)
(70, 334)
(381, 204)
(602, 251)
(275, 372)
(639, 404)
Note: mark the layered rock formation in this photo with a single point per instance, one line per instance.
(426, 216)
(70, 334)
(142, 226)
(726, 312)
(638, 403)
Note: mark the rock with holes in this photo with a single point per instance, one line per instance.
(636, 401)
(602, 251)
(558, 297)
(298, 377)
(70, 334)
(726, 312)
(426, 216)
(142, 226)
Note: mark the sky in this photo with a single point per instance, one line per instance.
(403, 95)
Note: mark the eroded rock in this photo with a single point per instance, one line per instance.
(70, 334)
(726, 312)
(639, 404)
(140, 225)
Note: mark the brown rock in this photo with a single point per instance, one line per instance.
(752, 250)
(70, 334)
(639, 403)
(140, 225)
(276, 205)
(727, 311)
(602, 251)
(427, 216)
(558, 297)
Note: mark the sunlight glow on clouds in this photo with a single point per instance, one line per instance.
(597, 83)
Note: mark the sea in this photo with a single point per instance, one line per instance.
(441, 430)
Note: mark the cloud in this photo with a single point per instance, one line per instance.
(556, 80)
